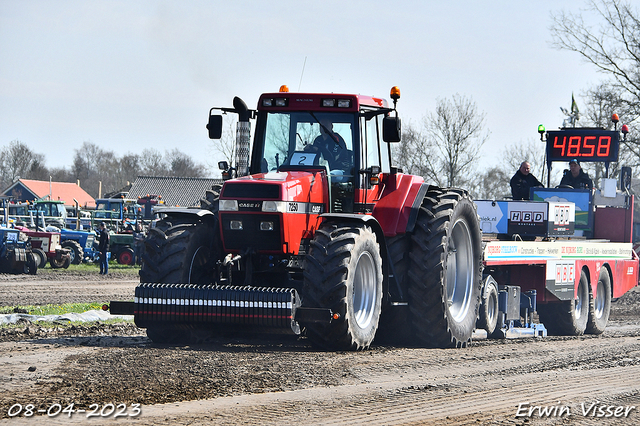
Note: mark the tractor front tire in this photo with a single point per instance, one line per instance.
(59, 263)
(343, 272)
(444, 276)
(181, 250)
(41, 257)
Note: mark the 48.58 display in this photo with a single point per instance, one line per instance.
(94, 410)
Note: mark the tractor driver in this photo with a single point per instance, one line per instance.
(576, 177)
(333, 148)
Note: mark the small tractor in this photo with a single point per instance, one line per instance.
(46, 247)
(16, 256)
(316, 232)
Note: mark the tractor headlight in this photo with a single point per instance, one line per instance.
(228, 205)
(274, 206)
(266, 226)
(235, 225)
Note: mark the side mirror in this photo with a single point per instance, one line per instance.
(215, 126)
(223, 165)
(391, 129)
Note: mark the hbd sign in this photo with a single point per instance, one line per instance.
(527, 218)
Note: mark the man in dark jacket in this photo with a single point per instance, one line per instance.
(522, 181)
(576, 177)
(103, 248)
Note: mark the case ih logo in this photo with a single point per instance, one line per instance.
(526, 217)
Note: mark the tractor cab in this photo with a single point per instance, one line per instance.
(345, 138)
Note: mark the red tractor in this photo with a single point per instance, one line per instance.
(46, 247)
(316, 232)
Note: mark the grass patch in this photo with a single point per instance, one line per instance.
(51, 309)
(93, 268)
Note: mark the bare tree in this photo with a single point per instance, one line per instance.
(152, 163)
(18, 160)
(180, 164)
(456, 131)
(613, 48)
(492, 184)
(446, 149)
(412, 154)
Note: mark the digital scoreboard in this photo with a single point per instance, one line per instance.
(583, 144)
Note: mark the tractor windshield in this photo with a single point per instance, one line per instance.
(312, 139)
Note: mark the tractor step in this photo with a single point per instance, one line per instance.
(195, 305)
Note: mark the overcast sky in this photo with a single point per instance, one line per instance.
(129, 75)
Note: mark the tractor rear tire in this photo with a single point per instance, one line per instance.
(569, 317)
(181, 250)
(31, 265)
(210, 202)
(444, 277)
(343, 272)
(41, 257)
(600, 306)
(76, 251)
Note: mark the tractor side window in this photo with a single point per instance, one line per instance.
(371, 154)
(277, 141)
(385, 162)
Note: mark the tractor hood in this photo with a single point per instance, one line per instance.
(290, 186)
(272, 212)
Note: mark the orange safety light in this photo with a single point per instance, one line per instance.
(395, 93)
(284, 88)
(615, 118)
(625, 129)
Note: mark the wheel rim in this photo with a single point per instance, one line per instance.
(579, 300)
(126, 258)
(72, 255)
(460, 258)
(492, 306)
(364, 290)
(197, 270)
(599, 300)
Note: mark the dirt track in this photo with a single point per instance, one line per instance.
(282, 380)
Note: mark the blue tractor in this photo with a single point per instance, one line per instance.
(81, 245)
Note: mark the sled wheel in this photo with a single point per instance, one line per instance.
(488, 318)
(569, 317)
(600, 305)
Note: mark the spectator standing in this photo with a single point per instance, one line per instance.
(103, 248)
(138, 245)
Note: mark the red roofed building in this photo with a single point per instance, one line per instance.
(29, 190)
